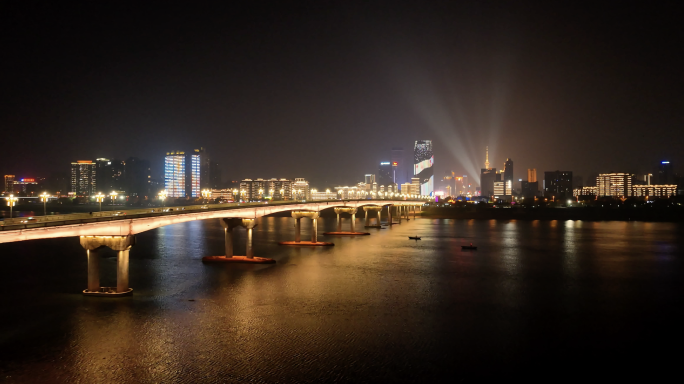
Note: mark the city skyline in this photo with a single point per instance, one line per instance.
(552, 100)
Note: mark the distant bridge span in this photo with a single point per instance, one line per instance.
(131, 222)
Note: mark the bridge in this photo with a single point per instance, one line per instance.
(117, 229)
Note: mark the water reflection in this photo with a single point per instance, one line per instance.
(371, 308)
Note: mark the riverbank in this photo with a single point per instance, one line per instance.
(580, 213)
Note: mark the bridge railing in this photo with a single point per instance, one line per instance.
(79, 218)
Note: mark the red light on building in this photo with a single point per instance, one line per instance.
(29, 180)
(394, 163)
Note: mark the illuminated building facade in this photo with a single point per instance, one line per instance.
(614, 184)
(266, 189)
(654, 190)
(532, 175)
(193, 175)
(83, 178)
(9, 183)
(369, 179)
(502, 188)
(585, 191)
(423, 162)
(174, 174)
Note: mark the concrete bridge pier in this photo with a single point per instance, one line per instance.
(249, 258)
(122, 244)
(352, 212)
(313, 215)
(377, 211)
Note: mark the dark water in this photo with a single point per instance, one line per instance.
(540, 300)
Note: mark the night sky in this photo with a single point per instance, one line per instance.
(324, 90)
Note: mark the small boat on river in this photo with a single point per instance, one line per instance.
(471, 246)
(414, 237)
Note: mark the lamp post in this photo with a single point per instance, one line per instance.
(270, 191)
(162, 197)
(11, 200)
(261, 193)
(99, 197)
(282, 193)
(242, 194)
(235, 193)
(206, 194)
(113, 196)
(44, 198)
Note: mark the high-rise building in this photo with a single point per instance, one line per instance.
(614, 184)
(532, 175)
(83, 178)
(666, 174)
(9, 183)
(174, 174)
(529, 189)
(508, 171)
(185, 175)
(109, 175)
(558, 184)
(204, 168)
(137, 181)
(415, 186)
(369, 179)
(385, 176)
(399, 166)
(423, 161)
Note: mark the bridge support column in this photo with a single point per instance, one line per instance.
(389, 215)
(93, 270)
(314, 230)
(297, 215)
(377, 210)
(249, 258)
(352, 232)
(122, 244)
(249, 224)
(399, 213)
(122, 272)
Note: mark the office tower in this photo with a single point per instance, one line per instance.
(193, 175)
(532, 175)
(614, 184)
(174, 174)
(398, 166)
(558, 184)
(508, 171)
(204, 169)
(9, 183)
(137, 180)
(385, 173)
(83, 178)
(423, 161)
(529, 189)
(665, 173)
(215, 175)
(109, 175)
(369, 179)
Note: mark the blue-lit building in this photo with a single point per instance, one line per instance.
(186, 174)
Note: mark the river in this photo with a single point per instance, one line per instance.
(571, 297)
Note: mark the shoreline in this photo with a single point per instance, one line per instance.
(584, 214)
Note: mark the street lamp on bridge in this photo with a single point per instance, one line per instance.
(44, 198)
(11, 200)
(206, 194)
(113, 195)
(99, 197)
(162, 197)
